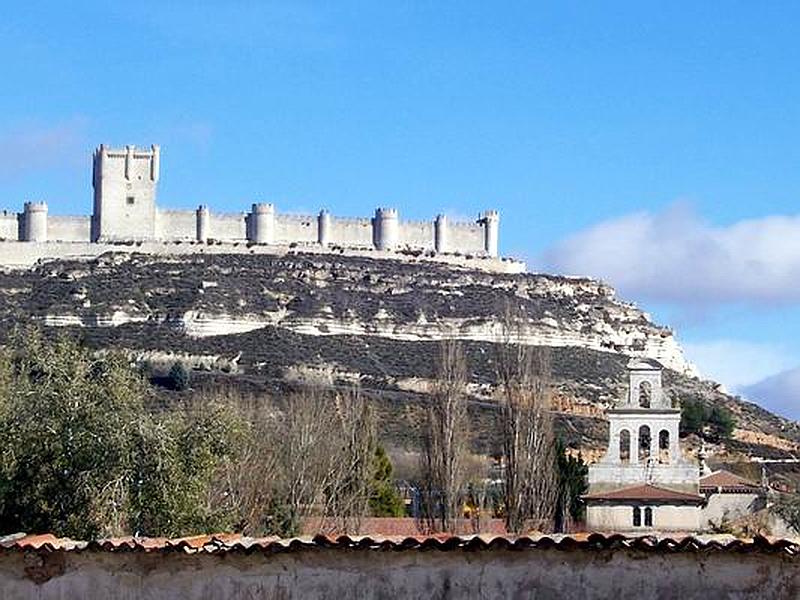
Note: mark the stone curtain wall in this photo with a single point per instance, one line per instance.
(183, 225)
(336, 573)
(417, 234)
(465, 237)
(356, 232)
(176, 224)
(228, 226)
(69, 229)
(300, 229)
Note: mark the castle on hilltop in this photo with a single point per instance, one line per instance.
(125, 182)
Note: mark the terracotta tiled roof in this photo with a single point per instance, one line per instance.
(727, 481)
(225, 543)
(645, 492)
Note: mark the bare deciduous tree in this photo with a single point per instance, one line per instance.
(308, 463)
(530, 482)
(445, 441)
(355, 441)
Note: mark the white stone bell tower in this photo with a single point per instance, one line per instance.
(643, 443)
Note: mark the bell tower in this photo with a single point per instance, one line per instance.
(125, 182)
(643, 443)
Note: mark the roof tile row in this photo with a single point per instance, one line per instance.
(224, 543)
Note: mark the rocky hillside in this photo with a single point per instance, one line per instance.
(262, 322)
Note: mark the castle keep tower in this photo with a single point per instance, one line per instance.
(125, 184)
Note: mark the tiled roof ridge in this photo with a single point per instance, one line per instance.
(643, 491)
(726, 479)
(221, 543)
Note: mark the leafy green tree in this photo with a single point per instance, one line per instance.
(693, 417)
(81, 456)
(721, 422)
(715, 423)
(178, 462)
(384, 500)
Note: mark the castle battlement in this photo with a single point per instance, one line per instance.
(125, 182)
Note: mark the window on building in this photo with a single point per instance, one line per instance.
(663, 446)
(648, 517)
(625, 445)
(637, 516)
(130, 200)
(645, 394)
(644, 443)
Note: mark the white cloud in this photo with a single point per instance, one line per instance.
(674, 256)
(736, 363)
(779, 393)
(35, 146)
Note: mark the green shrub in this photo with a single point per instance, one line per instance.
(178, 377)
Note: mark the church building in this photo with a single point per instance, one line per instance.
(644, 482)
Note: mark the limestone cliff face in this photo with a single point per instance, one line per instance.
(261, 322)
(326, 295)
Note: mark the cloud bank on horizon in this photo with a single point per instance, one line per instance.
(676, 258)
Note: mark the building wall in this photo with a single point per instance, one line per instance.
(721, 506)
(619, 518)
(9, 225)
(317, 573)
(69, 229)
(176, 224)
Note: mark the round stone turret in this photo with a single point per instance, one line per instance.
(262, 223)
(35, 222)
(203, 223)
(491, 232)
(440, 233)
(324, 228)
(386, 228)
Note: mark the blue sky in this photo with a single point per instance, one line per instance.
(650, 144)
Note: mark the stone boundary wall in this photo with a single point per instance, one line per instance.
(319, 572)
